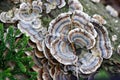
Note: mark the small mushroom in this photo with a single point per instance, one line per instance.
(103, 43)
(36, 60)
(7, 17)
(46, 51)
(52, 71)
(31, 44)
(59, 3)
(80, 17)
(61, 24)
(39, 54)
(75, 5)
(35, 68)
(60, 50)
(90, 28)
(50, 6)
(60, 75)
(90, 63)
(48, 39)
(45, 74)
(25, 15)
(40, 72)
(36, 24)
(25, 6)
(99, 19)
(37, 6)
(34, 35)
(81, 37)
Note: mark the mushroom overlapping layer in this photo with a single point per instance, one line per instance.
(75, 5)
(80, 32)
(59, 3)
(52, 4)
(73, 42)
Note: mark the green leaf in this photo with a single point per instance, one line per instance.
(102, 75)
(10, 38)
(23, 63)
(5, 73)
(17, 32)
(1, 31)
(21, 66)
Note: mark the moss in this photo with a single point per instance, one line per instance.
(13, 61)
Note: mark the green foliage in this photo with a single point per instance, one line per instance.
(13, 60)
(102, 75)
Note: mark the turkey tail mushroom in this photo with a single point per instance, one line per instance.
(32, 33)
(80, 17)
(90, 63)
(61, 24)
(7, 17)
(61, 52)
(59, 3)
(103, 41)
(37, 6)
(75, 5)
(82, 38)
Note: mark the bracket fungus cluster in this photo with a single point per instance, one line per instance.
(74, 30)
(73, 38)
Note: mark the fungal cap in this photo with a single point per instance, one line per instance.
(61, 24)
(75, 5)
(90, 63)
(82, 38)
(61, 52)
(99, 19)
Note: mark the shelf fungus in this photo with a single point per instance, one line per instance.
(7, 17)
(25, 15)
(73, 40)
(61, 51)
(34, 33)
(75, 5)
(74, 31)
(59, 3)
(90, 63)
(37, 6)
(29, 22)
(61, 24)
(103, 43)
(82, 38)
(52, 4)
(99, 19)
